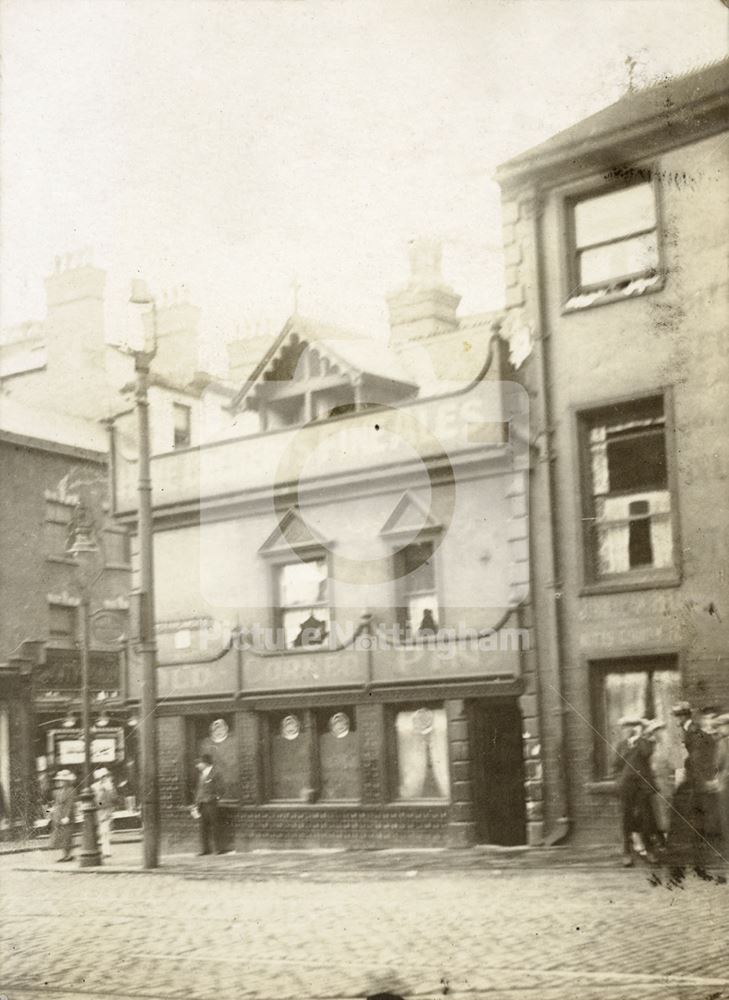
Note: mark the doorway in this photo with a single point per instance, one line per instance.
(498, 772)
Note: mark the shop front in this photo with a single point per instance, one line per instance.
(58, 738)
(418, 744)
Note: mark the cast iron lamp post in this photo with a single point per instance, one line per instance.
(83, 546)
(147, 641)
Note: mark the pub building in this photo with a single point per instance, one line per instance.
(341, 584)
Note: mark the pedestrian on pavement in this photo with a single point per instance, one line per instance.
(662, 781)
(702, 773)
(105, 798)
(206, 804)
(63, 812)
(722, 728)
(636, 785)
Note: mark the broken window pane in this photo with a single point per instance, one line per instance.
(631, 523)
(302, 590)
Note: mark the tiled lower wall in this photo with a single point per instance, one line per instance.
(282, 827)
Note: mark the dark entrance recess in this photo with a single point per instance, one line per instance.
(498, 772)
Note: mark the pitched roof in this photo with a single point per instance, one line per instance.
(677, 105)
(362, 354)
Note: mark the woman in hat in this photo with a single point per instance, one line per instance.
(104, 796)
(62, 813)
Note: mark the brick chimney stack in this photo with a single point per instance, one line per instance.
(178, 348)
(425, 308)
(426, 305)
(74, 325)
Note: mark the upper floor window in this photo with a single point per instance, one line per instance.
(303, 605)
(62, 621)
(629, 507)
(418, 598)
(182, 422)
(615, 238)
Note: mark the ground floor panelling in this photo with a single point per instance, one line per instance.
(344, 773)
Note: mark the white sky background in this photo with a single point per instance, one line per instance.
(226, 146)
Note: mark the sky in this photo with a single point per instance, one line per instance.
(229, 146)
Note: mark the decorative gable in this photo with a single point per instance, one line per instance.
(292, 532)
(409, 517)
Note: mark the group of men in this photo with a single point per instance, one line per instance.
(691, 813)
(63, 810)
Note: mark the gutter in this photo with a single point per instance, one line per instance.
(548, 485)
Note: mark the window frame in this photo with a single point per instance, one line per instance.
(189, 779)
(309, 717)
(178, 407)
(392, 761)
(432, 536)
(644, 578)
(61, 639)
(596, 666)
(276, 560)
(614, 288)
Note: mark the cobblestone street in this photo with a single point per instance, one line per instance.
(336, 925)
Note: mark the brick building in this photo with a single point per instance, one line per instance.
(43, 455)
(615, 235)
(61, 380)
(339, 588)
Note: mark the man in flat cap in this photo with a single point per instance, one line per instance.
(636, 787)
(702, 775)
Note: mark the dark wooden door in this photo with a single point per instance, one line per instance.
(498, 772)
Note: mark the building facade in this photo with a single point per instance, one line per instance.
(340, 588)
(63, 385)
(615, 236)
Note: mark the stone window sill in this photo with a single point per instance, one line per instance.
(605, 296)
(627, 582)
(603, 787)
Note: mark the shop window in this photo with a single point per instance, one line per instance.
(338, 744)
(615, 238)
(213, 734)
(182, 423)
(419, 748)
(418, 597)
(629, 511)
(289, 757)
(303, 609)
(642, 687)
(61, 621)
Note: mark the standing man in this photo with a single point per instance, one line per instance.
(105, 796)
(206, 804)
(63, 813)
(637, 788)
(702, 774)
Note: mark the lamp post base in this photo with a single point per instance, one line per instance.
(90, 855)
